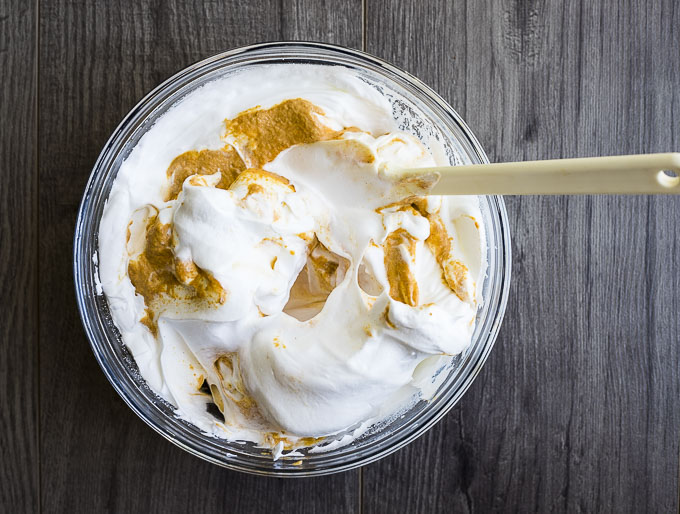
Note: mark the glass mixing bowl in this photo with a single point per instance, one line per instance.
(418, 110)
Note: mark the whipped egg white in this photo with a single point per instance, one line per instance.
(262, 252)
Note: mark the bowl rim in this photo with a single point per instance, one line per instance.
(495, 201)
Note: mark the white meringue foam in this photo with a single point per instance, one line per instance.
(313, 367)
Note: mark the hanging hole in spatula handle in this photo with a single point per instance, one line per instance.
(668, 178)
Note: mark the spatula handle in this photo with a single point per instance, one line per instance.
(625, 174)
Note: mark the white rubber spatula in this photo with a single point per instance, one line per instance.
(626, 174)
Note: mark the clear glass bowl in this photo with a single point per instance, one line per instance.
(418, 110)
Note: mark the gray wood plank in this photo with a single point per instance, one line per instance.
(19, 461)
(98, 58)
(576, 410)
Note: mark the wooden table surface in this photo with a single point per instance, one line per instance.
(578, 407)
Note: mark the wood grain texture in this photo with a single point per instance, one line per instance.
(577, 409)
(19, 461)
(98, 58)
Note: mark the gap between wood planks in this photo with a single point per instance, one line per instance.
(36, 75)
